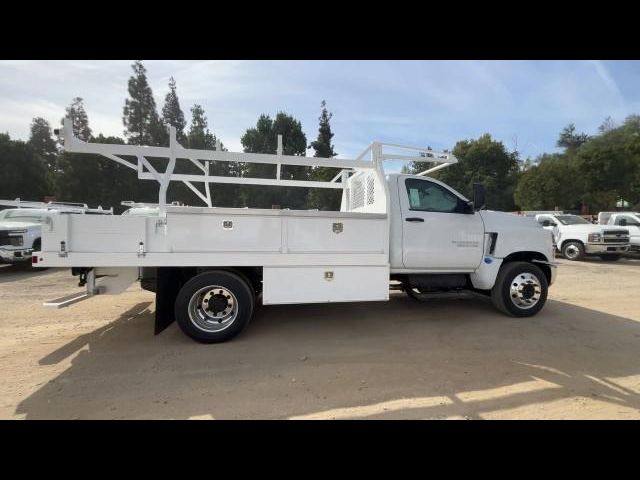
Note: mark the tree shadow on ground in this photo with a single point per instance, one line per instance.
(396, 359)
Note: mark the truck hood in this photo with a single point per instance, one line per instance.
(17, 225)
(494, 221)
(584, 228)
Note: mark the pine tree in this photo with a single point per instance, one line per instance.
(43, 143)
(200, 137)
(79, 119)
(570, 140)
(324, 199)
(171, 112)
(142, 123)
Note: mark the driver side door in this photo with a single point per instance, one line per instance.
(437, 234)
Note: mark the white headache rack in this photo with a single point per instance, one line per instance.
(371, 159)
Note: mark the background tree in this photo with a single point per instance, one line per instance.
(142, 123)
(609, 167)
(263, 138)
(23, 173)
(486, 161)
(79, 119)
(143, 126)
(570, 140)
(44, 145)
(549, 184)
(172, 113)
(201, 138)
(322, 198)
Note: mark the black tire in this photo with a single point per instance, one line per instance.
(198, 323)
(573, 251)
(612, 257)
(513, 273)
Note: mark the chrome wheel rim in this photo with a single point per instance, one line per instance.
(571, 252)
(525, 290)
(213, 308)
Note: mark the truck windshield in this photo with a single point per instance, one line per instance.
(22, 215)
(571, 219)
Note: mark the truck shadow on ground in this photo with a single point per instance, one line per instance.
(16, 272)
(396, 359)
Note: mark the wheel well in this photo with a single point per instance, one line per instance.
(37, 241)
(570, 240)
(529, 257)
(252, 275)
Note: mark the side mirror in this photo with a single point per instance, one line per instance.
(479, 200)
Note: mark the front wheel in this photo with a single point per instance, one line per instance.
(214, 306)
(520, 289)
(573, 251)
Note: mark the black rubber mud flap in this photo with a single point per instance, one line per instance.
(167, 288)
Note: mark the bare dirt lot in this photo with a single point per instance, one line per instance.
(579, 358)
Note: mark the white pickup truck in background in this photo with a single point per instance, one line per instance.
(21, 227)
(627, 220)
(576, 238)
(209, 266)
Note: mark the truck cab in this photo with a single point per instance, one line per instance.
(631, 222)
(20, 233)
(576, 238)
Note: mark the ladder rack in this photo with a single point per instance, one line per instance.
(68, 207)
(371, 159)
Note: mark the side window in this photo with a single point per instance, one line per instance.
(630, 221)
(431, 197)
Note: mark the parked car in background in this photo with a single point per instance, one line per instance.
(21, 228)
(628, 220)
(575, 238)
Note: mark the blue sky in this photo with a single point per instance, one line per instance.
(418, 103)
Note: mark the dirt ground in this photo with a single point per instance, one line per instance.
(458, 359)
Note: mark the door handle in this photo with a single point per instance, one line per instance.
(414, 219)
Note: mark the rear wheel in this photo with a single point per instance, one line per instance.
(214, 306)
(520, 289)
(573, 251)
(613, 257)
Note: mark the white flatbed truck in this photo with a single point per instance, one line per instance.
(209, 266)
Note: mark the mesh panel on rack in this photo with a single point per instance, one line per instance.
(370, 189)
(357, 193)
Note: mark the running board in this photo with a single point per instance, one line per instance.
(67, 300)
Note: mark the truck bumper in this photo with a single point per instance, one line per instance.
(15, 255)
(599, 248)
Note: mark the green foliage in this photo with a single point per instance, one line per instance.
(486, 161)
(609, 166)
(570, 140)
(79, 119)
(323, 198)
(43, 144)
(546, 185)
(172, 113)
(142, 123)
(96, 180)
(23, 173)
(263, 138)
